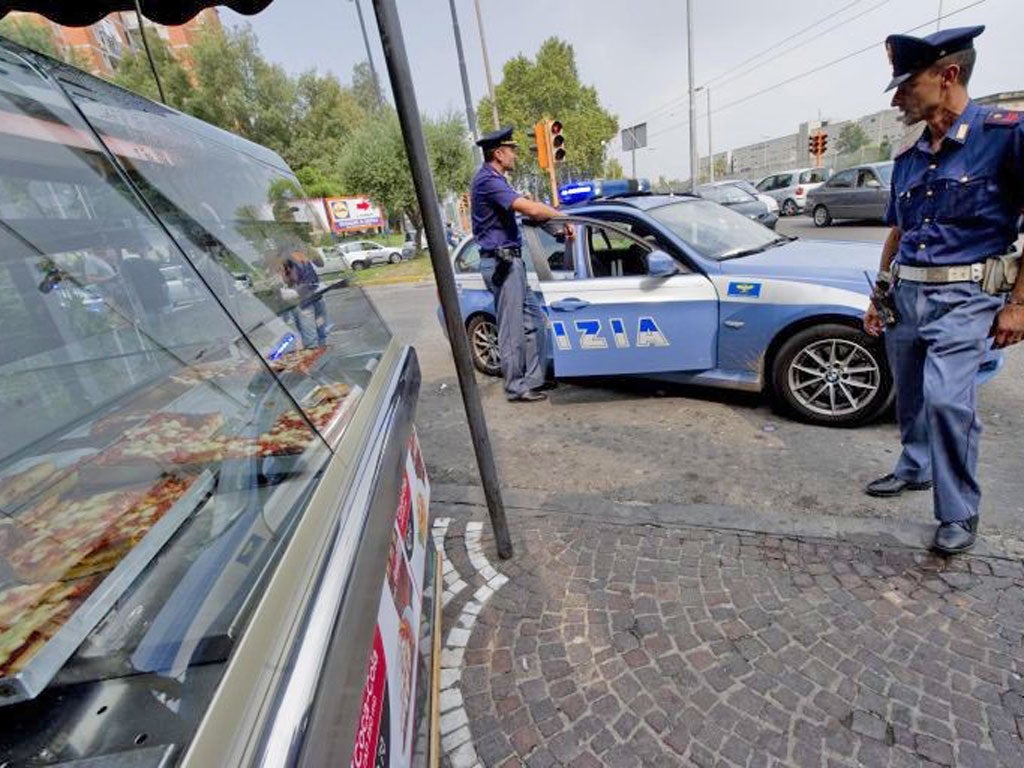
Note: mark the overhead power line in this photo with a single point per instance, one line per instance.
(817, 69)
(677, 99)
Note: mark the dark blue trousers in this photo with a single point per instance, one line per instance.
(935, 351)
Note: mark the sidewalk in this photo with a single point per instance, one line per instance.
(629, 636)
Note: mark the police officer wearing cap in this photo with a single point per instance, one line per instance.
(956, 196)
(522, 326)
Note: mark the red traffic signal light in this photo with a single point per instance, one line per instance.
(557, 141)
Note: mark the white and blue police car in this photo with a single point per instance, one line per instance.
(682, 289)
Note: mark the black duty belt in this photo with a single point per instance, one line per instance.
(508, 253)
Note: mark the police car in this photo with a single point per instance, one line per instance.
(682, 289)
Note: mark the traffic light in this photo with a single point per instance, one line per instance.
(557, 141)
(540, 137)
(817, 144)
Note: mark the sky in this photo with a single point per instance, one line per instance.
(634, 54)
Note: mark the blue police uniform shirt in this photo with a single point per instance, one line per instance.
(961, 204)
(494, 221)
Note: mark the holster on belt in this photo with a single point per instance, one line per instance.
(1000, 273)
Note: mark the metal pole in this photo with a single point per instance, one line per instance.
(369, 55)
(711, 151)
(694, 156)
(634, 157)
(470, 114)
(426, 194)
(938, 19)
(487, 64)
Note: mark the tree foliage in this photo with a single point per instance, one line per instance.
(549, 87)
(851, 138)
(33, 35)
(374, 163)
(337, 138)
(135, 74)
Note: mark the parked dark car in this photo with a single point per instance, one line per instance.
(736, 195)
(856, 193)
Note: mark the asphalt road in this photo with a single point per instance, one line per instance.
(644, 443)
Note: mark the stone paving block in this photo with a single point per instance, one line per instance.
(621, 645)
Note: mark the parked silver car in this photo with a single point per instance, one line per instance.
(856, 193)
(790, 188)
(364, 253)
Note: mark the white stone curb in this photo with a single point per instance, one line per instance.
(456, 740)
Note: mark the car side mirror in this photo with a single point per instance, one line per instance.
(660, 264)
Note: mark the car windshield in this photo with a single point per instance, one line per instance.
(713, 231)
(884, 173)
(724, 193)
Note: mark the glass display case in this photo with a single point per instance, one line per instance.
(211, 491)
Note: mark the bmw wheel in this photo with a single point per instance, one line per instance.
(822, 218)
(395, 257)
(833, 375)
(483, 344)
(789, 208)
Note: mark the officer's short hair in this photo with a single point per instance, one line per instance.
(964, 59)
(489, 154)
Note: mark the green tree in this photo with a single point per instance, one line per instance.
(851, 138)
(550, 87)
(374, 163)
(326, 114)
(134, 73)
(240, 91)
(34, 35)
(363, 87)
(613, 169)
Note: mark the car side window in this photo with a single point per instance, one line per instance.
(866, 178)
(468, 259)
(766, 185)
(612, 254)
(813, 176)
(843, 179)
(784, 180)
(558, 256)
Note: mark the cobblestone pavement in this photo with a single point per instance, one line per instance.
(632, 644)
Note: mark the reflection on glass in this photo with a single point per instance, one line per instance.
(163, 422)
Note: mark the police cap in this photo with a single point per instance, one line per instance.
(499, 138)
(910, 55)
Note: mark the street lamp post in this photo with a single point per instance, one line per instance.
(369, 55)
(694, 156)
(487, 64)
(711, 151)
(470, 114)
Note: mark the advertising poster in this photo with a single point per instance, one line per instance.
(352, 214)
(384, 738)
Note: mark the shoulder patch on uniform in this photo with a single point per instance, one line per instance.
(1003, 117)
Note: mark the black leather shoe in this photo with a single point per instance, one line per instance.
(890, 485)
(529, 397)
(952, 538)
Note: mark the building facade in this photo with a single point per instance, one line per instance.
(102, 45)
(884, 131)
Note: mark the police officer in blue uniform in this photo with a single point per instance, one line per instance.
(522, 326)
(957, 193)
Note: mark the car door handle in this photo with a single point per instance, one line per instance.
(569, 305)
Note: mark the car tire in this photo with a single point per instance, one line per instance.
(789, 208)
(832, 375)
(395, 257)
(358, 265)
(822, 218)
(482, 331)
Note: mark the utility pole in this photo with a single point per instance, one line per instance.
(938, 18)
(711, 151)
(487, 65)
(426, 194)
(694, 156)
(369, 56)
(470, 114)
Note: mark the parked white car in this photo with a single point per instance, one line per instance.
(364, 253)
(790, 188)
